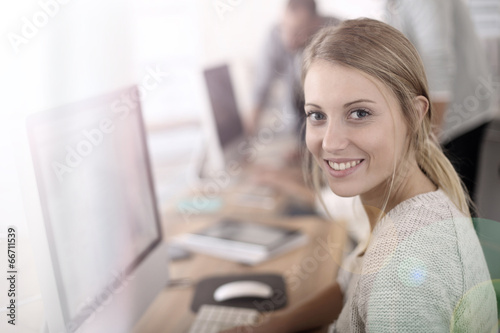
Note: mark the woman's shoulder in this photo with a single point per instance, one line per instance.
(428, 211)
(422, 226)
(426, 220)
(435, 203)
(425, 250)
(427, 234)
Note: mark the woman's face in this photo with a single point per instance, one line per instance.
(355, 129)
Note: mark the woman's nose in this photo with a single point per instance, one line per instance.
(335, 138)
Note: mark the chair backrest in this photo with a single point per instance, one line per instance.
(488, 232)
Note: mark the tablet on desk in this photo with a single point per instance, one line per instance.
(245, 242)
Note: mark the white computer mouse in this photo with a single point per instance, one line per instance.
(239, 289)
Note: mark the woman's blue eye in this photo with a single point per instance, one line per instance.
(316, 116)
(360, 113)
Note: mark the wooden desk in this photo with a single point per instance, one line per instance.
(306, 270)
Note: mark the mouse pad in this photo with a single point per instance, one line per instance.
(204, 293)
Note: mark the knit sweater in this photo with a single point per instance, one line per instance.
(423, 271)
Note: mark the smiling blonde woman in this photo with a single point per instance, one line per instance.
(369, 133)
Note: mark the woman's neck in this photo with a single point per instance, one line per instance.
(414, 182)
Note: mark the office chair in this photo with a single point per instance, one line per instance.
(488, 232)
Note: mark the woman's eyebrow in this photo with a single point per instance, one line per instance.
(358, 101)
(314, 105)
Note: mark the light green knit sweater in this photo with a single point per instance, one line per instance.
(424, 271)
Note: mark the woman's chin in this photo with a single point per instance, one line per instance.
(343, 192)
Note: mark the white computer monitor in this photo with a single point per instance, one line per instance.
(92, 214)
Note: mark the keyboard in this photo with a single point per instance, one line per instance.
(214, 318)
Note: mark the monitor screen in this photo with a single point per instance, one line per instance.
(97, 196)
(224, 106)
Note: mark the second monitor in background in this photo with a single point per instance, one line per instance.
(223, 124)
(227, 140)
(224, 106)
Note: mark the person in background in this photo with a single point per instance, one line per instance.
(281, 59)
(444, 35)
(368, 131)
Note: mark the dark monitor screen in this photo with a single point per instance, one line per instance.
(224, 106)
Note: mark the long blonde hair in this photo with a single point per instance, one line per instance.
(385, 54)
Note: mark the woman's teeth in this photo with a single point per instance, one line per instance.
(343, 166)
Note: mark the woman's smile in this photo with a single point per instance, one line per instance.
(342, 169)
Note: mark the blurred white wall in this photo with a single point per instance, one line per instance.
(237, 31)
(54, 53)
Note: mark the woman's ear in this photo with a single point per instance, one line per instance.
(422, 106)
